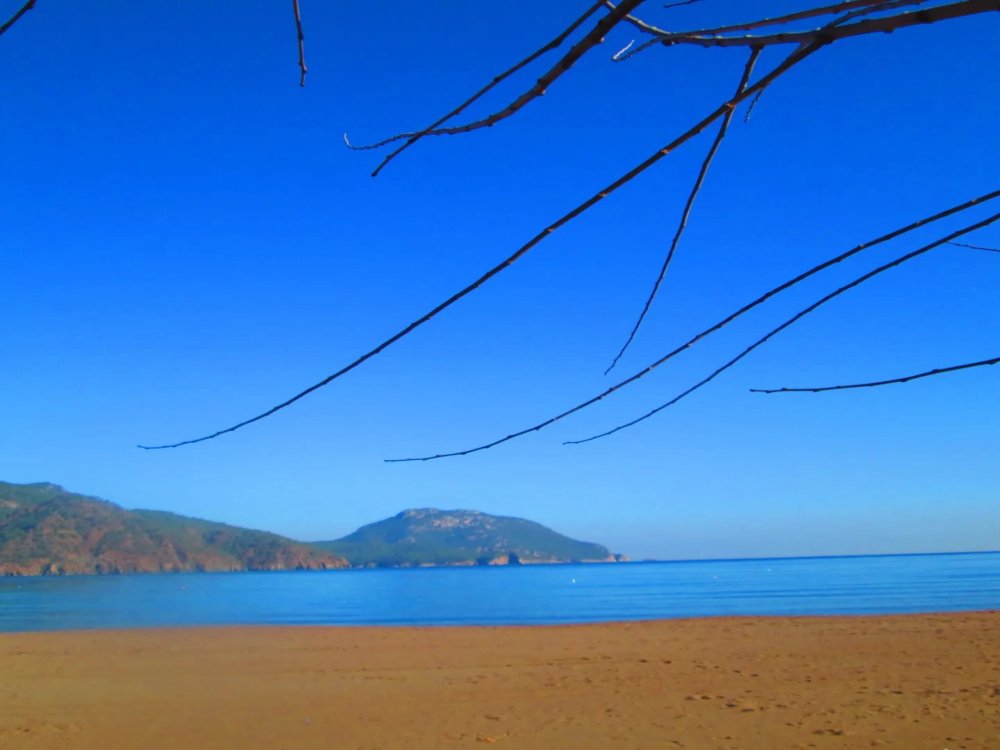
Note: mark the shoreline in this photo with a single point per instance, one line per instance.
(625, 560)
(905, 681)
(499, 626)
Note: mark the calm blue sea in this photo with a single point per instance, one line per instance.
(501, 596)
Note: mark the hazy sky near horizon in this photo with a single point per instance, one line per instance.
(186, 242)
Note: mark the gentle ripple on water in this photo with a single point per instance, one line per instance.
(544, 594)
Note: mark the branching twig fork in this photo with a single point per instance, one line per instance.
(869, 26)
(723, 127)
(825, 10)
(594, 37)
(555, 43)
(829, 33)
(822, 36)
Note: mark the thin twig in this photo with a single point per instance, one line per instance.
(594, 37)
(555, 43)
(829, 33)
(753, 105)
(662, 36)
(822, 36)
(826, 10)
(791, 321)
(866, 8)
(17, 16)
(721, 324)
(302, 51)
(723, 127)
(871, 26)
(796, 57)
(876, 383)
(679, 3)
(976, 247)
(754, 53)
(620, 53)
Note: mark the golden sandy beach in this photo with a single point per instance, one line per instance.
(917, 681)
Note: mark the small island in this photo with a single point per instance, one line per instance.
(423, 537)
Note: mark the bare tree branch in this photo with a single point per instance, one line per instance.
(17, 16)
(555, 43)
(723, 127)
(594, 37)
(851, 9)
(804, 50)
(887, 24)
(860, 8)
(876, 383)
(831, 32)
(721, 324)
(302, 51)
(976, 247)
(824, 35)
(796, 57)
(826, 10)
(791, 321)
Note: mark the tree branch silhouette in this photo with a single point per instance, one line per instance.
(594, 37)
(718, 326)
(807, 42)
(797, 56)
(791, 321)
(554, 44)
(825, 10)
(876, 383)
(976, 247)
(866, 7)
(723, 127)
(17, 16)
(830, 33)
(301, 38)
(679, 3)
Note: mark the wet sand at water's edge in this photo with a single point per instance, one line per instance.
(911, 681)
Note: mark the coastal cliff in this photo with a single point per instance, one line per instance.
(45, 530)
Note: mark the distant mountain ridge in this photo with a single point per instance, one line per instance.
(429, 536)
(45, 530)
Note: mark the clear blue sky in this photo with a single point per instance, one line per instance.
(186, 241)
